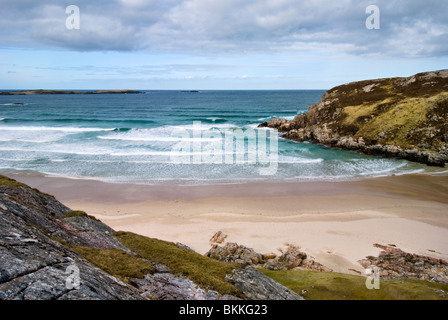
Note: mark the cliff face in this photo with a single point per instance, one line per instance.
(48, 251)
(397, 117)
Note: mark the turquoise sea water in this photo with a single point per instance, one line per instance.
(172, 137)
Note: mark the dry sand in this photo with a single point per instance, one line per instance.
(337, 223)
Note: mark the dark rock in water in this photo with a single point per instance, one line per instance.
(394, 117)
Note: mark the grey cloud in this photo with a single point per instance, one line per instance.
(408, 28)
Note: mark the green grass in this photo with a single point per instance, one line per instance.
(8, 182)
(339, 286)
(5, 181)
(403, 123)
(116, 262)
(78, 213)
(205, 272)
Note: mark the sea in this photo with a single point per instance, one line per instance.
(173, 137)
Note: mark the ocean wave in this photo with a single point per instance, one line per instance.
(80, 120)
(300, 161)
(159, 139)
(169, 133)
(276, 117)
(63, 129)
(174, 153)
(213, 120)
(58, 150)
(25, 140)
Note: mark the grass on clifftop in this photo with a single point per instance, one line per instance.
(5, 181)
(339, 286)
(79, 213)
(205, 272)
(8, 182)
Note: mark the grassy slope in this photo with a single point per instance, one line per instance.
(407, 123)
(205, 272)
(339, 286)
(118, 263)
(386, 111)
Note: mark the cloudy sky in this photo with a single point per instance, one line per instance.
(216, 44)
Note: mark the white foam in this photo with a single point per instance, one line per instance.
(63, 129)
(292, 160)
(214, 118)
(59, 150)
(25, 140)
(172, 133)
(153, 139)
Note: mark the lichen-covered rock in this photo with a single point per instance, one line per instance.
(218, 237)
(393, 263)
(166, 286)
(292, 257)
(257, 286)
(233, 252)
(35, 267)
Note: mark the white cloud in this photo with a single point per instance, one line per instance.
(207, 27)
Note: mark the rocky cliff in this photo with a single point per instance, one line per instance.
(48, 251)
(394, 117)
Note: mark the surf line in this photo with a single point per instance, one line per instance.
(236, 146)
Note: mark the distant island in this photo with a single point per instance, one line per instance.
(41, 91)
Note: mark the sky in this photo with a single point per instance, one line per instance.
(217, 44)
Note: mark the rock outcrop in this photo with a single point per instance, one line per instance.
(394, 117)
(290, 258)
(248, 280)
(393, 263)
(48, 252)
(34, 265)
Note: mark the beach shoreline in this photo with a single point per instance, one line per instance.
(336, 222)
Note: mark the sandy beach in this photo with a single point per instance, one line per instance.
(337, 223)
